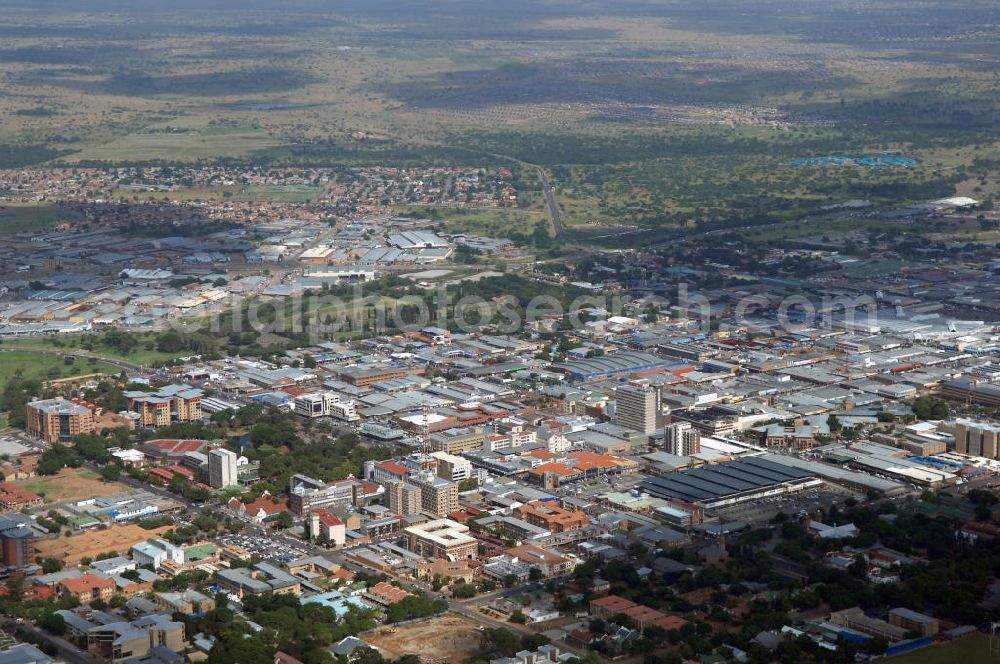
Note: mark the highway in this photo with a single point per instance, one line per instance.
(550, 201)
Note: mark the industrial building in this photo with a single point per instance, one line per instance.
(613, 365)
(731, 482)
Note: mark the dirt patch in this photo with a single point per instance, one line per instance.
(449, 638)
(117, 539)
(71, 484)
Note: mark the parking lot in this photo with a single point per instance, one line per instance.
(797, 505)
(259, 544)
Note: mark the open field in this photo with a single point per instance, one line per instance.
(145, 353)
(70, 484)
(22, 218)
(40, 366)
(448, 638)
(972, 649)
(92, 543)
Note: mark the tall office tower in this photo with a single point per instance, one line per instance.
(681, 439)
(638, 407)
(402, 498)
(438, 496)
(222, 468)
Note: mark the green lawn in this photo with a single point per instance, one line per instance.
(973, 649)
(22, 217)
(140, 355)
(33, 365)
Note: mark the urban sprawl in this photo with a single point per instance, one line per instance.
(702, 452)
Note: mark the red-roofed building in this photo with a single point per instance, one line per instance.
(167, 473)
(87, 588)
(670, 623)
(643, 616)
(16, 497)
(560, 469)
(389, 471)
(285, 658)
(552, 516)
(385, 594)
(541, 453)
(326, 527)
(610, 606)
(170, 450)
(265, 508)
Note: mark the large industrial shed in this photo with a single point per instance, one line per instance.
(730, 483)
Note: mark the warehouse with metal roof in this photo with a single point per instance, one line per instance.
(613, 364)
(730, 483)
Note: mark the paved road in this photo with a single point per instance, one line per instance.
(67, 650)
(550, 201)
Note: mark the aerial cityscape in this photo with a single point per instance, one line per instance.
(535, 332)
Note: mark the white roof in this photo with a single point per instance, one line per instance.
(956, 201)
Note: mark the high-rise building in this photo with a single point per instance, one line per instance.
(306, 493)
(17, 543)
(402, 498)
(222, 472)
(170, 403)
(58, 420)
(977, 439)
(452, 467)
(637, 407)
(682, 439)
(438, 496)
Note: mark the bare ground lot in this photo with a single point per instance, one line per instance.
(70, 484)
(447, 638)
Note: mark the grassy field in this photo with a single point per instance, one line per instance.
(973, 649)
(35, 365)
(70, 484)
(20, 218)
(184, 147)
(145, 353)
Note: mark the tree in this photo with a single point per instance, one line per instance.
(50, 565)
(284, 520)
(518, 617)
(111, 472)
(834, 423)
(536, 574)
(464, 591)
(929, 408)
(53, 623)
